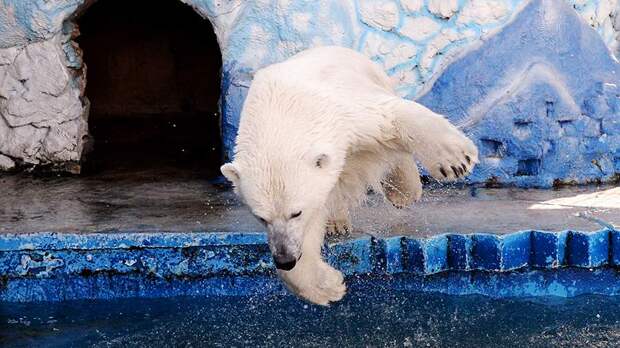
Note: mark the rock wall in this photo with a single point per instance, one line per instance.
(543, 106)
(43, 116)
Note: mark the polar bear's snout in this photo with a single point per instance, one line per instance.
(285, 247)
(285, 264)
(284, 259)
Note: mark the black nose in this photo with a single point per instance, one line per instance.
(284, 263)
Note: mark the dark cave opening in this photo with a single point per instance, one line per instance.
(153, 81)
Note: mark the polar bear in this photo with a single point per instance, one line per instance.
(318, 130)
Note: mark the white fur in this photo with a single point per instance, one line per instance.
(316, 132)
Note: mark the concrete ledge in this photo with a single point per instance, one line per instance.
(56, 267)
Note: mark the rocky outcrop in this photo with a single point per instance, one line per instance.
(42, 116)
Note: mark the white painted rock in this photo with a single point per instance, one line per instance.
(380, 14)
(419, 28)
(483, 12)
(412, 5)
(41, 113)
(443, 8)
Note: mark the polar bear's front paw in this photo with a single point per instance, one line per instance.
(451, 157)
(339, 227)
(327, 287)
(316, 282)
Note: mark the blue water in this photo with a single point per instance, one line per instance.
(376, 318)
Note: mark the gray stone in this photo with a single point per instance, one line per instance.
(6, 163)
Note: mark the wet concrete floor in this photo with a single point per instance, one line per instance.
(157, 201)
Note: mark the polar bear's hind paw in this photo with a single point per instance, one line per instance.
(335, 228)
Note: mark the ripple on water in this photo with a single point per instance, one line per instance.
(372, 318)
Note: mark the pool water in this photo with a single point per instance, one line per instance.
(374, 317)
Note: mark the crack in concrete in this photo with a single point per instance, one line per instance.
(599, 221)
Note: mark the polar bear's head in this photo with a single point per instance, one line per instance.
(287, 192)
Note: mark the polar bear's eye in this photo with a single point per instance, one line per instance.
(296, 215)
(263, 221)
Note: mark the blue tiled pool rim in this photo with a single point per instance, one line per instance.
(62, 266)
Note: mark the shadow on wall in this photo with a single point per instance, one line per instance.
(153, 81)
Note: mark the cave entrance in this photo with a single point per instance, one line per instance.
(153, 81)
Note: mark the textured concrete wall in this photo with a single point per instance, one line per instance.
(416, 41)
(543, 105)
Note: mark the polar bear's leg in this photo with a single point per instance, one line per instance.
(338, 224)
(338, 221)
(312, 278)
(443, 149)
(402, 185)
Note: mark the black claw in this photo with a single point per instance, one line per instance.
(468, 159)
(456, 172)
(443, 172)
(464, 167)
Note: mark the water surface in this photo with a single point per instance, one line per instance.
(375, 317)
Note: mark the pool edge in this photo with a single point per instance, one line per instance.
(56, 267)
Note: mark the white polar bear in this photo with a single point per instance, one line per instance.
(316, 132)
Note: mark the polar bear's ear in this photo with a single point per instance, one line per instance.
(230, 172)
(321, 161)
